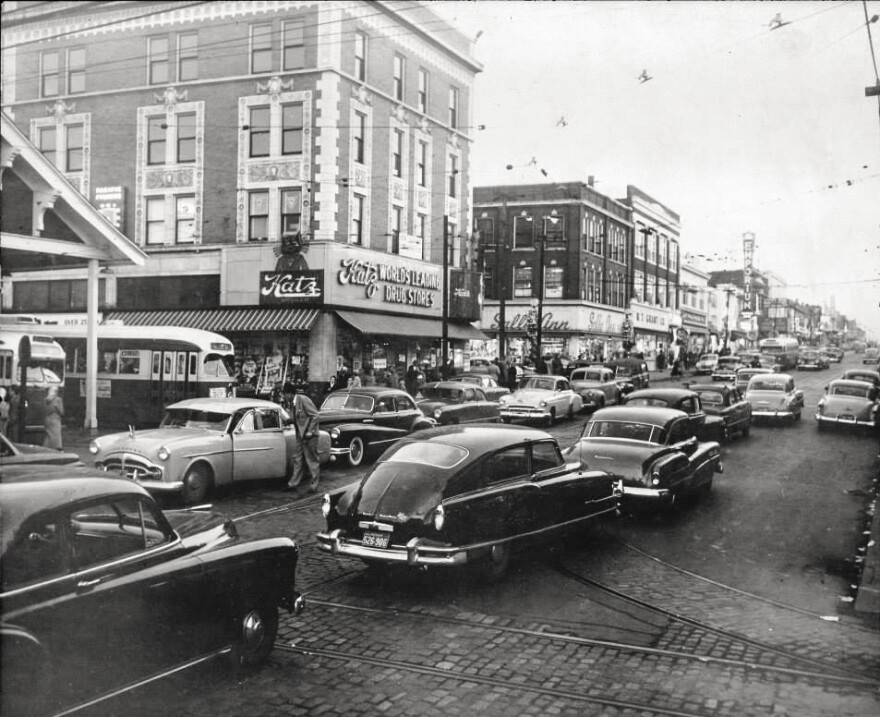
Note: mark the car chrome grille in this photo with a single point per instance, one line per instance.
(131, 466)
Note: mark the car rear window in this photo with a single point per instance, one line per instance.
(854, 391)
(624, 429)
(438, 455)
(711, 398)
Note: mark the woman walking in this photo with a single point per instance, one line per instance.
(52, 419)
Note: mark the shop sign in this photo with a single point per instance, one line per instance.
(649, 319)
(292, 287)
(391, 283)
(693, 318)
(110, 202)
(569, 319)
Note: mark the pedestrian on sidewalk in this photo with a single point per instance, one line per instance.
(54, 413)
(305, 457)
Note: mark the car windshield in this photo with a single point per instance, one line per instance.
(347, 402)
(728, 361)
(855, 391)
(709, 357)
(810, 355)
(710, 398)
(765, 385)
(441, 393)
(630, 430)
(195, 418)
(536, 382)
(438, 455)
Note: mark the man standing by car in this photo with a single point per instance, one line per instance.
(305, 457)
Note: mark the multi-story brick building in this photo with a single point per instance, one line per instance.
(286, 166)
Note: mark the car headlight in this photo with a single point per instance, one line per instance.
(543, 404)
(334, 433)
(164, 454)
(437, 413)
(93, 448)
(504, 399)
(325, 505)
(439, 517)
(655, 477)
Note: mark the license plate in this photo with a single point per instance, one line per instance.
(848, 419)
(376, 540)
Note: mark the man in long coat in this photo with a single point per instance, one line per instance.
(305, 457)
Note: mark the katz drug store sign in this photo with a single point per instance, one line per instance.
(289, 288)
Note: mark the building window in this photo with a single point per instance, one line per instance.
(188, 56)
(650, 289)
(261, 49)
(292, 129)
(258, 216)
(291, 212)
(360, 130)
(523, 233)
(259, 131)
(360, 56)
(398, 77)
(453, 107)
(156, 139)
(638, 285)
(76, 70)
(157, 52)
(554, 230)
(595, 235)
(422, 98)
(421, 225)
(422, 164)
(49, 74)
(294, 57)
(155, 220)
(186, 137)
(486, 232)
(357, 220)
(74, 149)
(184, 220)
(651, 246)
(453, 174)
(522, 282)
(397, 153)
(663, 250)
(48, 140)
(553, 282)
(640, 242)
(396, 227)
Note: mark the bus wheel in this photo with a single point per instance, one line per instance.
(196, 484)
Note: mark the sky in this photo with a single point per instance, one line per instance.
(741, 128)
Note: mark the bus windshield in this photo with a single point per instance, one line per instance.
(219, 365)
(43, 375)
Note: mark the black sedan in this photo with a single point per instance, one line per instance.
(102, 590)
(453, 403)
(463, 494)
(705, 427)
(727, 403)
(364, 421)
(654, 450)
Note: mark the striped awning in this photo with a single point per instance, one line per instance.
(222, 319)
(382, 325)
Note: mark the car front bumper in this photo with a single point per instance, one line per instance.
(844, 420)
(525, 414)
(413, 553)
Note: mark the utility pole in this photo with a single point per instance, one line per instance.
(445, 309)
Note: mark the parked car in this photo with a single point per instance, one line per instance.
(102, 591)
(463, 494)
(849, 403)
(541, 398)
(454, 402)
(835, 354)
(653, 449)
(479, 365)
(490, 386)
(682, 399)
(871, 356)
(206, 443)
(862, 374)
(706, 364)
(631, 374)
(811, 359)
(363, 422)
(774, 396)
(743, 375)
(596, 385)
(24, 453)
(728, 403)
(726, 368)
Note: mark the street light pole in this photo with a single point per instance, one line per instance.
(539, 330)
(445, 308)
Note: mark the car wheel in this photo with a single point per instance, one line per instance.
(495, 566)
(196, 484)
(357, 449)
(256, 630)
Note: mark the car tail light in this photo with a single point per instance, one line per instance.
(439, 517)
(325, 505)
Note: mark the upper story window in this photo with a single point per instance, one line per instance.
(360, 131)
(157, 54)
(638, 285)
(398, 77)
(76, 70)
(554, 230)
(47, 138)
(486, 231)
(294, 55)
(673, 256)
(522, 281)
(360, 56)
(291, 212)
(187, 56)
(357, 220)
(74, 148)
(453, 107)
(595, 235)
(664, 249)
(261, 48)
(640, 242)
(422, 96)
(260, 131)
(50, 73)
(651, 247)
(397, 153)
(155, 233)
(258, 216)
(292, 128)
(523, 233)
(156, 140)
(184, 219)
(422, 163)
(186, 137)
(553, 282)
(453, 175)
(396, 228)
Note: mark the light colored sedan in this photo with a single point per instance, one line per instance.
(849, 403)
(541, 398)
(773, 395)
(205, 443)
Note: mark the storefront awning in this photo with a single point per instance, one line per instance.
(378, 324)
(222, 320)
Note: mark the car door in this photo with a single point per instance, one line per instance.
(258, 452)
(406, 414)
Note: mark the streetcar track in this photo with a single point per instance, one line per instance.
(862, 681)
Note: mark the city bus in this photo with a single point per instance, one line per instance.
(784, 350)
(142, 369)
(45, 368)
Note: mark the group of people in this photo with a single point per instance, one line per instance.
(53, 416)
